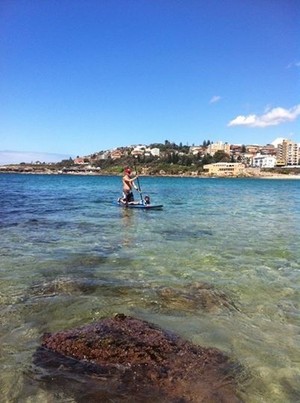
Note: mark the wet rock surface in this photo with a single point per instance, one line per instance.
(124, 359)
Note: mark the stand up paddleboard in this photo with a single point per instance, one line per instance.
(140, 206)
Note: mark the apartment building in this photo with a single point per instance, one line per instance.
(218, 146)
(287, 153)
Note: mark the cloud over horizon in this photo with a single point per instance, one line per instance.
(272, 117)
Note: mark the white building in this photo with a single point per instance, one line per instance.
(143, 150)
(264, 161)
(155, 152)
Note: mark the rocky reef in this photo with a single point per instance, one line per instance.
(125, 359)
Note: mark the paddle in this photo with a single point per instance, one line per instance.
(139, 186)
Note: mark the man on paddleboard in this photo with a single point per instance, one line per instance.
(128, 183)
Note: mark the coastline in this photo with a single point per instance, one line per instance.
(250, 173)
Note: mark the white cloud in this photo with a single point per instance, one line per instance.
(272, 117)
(214, 99)
(294, 64)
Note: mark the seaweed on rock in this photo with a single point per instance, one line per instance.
(124, 359)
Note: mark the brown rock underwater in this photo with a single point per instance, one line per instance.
(124, 359)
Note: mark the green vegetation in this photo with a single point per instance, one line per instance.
(173, 159)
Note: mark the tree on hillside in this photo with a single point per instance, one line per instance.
(186, 159)
(207, 159)
(221, 156)
(206, 143)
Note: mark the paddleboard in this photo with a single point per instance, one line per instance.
(141, 206)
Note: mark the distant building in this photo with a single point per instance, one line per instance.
(252, 149)
(147, 151)
(224, 168)
(277, 141)
(218, 146)
(236, 149)
(138, 150)
(136, 153)
(287, 153)
(116, 154)
(155, 152)
(268, 149)
(140, 147)
(103, 155)
(79, 161)
(195, 150)
(264, 161)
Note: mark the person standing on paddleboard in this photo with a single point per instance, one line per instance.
(128, 183)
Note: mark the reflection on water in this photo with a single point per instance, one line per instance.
(127, 226)
(221, 270)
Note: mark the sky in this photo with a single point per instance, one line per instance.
(81, 76)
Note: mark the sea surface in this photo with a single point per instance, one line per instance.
(219, 265)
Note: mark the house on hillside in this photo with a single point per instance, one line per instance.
(103, 155)
(268, 149)
(142, 150)
(137, 153)
(116, 154)
(196, 150)
(79, 161)
(155, 152)
(252, 149)
(237, 151)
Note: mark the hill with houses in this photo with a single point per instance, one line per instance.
(169, 158)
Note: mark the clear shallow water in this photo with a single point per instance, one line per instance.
(70, 256)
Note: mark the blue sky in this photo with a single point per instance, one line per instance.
(79, 76)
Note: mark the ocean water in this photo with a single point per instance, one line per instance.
(219, 265)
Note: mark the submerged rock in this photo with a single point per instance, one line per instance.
(124, 359)
(63, 285)
(198, 295)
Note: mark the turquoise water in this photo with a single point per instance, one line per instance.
(70, 256)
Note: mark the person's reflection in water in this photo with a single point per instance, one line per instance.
(127, 226)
